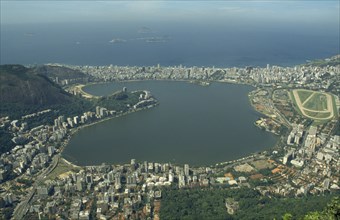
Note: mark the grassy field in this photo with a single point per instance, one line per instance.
(315, 105)
(295, 105)
(262, 164)
(61, 168)
(335, 109)
(304, 94)
(317, 102)
(318, 114)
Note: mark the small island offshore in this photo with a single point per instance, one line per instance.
(42, 106)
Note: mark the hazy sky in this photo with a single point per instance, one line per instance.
(309, 12)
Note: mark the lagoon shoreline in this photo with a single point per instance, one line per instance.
(74, 131)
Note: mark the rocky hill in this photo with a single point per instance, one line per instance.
(23, 89)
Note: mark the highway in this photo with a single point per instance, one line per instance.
(22, 208)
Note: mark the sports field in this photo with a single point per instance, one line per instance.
(314, 105)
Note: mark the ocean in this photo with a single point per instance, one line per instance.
(166, 43)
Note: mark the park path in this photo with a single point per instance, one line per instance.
(309, 97)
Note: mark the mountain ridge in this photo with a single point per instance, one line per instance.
(24, 87)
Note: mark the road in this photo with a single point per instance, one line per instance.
(22, 208)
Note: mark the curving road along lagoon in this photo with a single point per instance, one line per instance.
(193, 124)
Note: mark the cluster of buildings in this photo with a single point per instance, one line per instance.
(315, 161)
(36, 147)
(310, 163)
(134, 191)
(128, 191)
(111, 73)
(314, 77)
(33, 151)
(298, 75)
(110, 192)
(296, 134)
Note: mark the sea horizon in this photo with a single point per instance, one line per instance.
(36, 44)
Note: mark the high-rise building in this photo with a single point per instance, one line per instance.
(117, 179)
(131, 180)
(133, 164)
(50, 150)
(61, 118)
(56, 123)
(111, 176)
(186, 169)
(146, 166)
(102, 112)
(171, 177)
(76, 120)
(89, 179)
(181, 181)
(98, 110)
(70, 121)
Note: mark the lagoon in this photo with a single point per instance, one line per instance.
(193, 124)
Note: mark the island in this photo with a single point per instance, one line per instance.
(300, 104)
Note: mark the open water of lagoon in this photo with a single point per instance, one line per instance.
(193, 124)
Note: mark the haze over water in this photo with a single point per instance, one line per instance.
(193, 124)
(222, 34)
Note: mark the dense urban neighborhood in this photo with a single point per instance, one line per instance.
(299, 104)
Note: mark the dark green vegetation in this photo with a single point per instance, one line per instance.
(118, 101)
(28, 90)
(210, 204)
(23, 92)
(333, 61)
(61, 73)
(331, 211)
(6, 142)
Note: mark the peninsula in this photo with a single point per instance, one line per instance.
(300, 104)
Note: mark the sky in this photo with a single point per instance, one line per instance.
(308, 12)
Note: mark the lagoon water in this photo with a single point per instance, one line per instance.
(193, 124)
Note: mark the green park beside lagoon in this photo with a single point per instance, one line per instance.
(195, 120)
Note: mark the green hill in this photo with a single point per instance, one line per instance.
(62, 75)
(25, 91)
(22, 91)
(332, 61)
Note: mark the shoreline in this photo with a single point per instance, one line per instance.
(70, 163)
(75, 130)
(164, 80)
